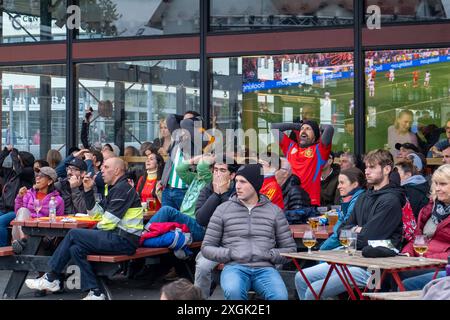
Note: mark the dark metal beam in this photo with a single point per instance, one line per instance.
(71, 89)
(359, 65)
(205, 92)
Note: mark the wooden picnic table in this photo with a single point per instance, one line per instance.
(29, 260)
(402, 295)
(339, 260)
(323, 232)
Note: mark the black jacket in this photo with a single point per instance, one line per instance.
(329, 195)
(20, 175)
(294, 196)
(208, 201)
(418, 196)
(379, 213)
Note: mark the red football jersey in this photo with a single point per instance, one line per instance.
(307, 164)
(272, 190)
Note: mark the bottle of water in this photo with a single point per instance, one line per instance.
(52, 210)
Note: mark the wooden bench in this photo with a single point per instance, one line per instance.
(6, 251)
(140, 253)
(404, 295)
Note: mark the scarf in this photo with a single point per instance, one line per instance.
(440, 212)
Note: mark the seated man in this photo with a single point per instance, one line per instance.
(196, 181)
(297, 204)
(248, 233)
(270, 188)
(377, 215)
(329, 194)
(441, 144)
(309, 155)
(71, 188)
(214, 194)
(347, 161)
(117, 233)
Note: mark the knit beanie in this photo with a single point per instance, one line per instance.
(314, 126)
(252, 172)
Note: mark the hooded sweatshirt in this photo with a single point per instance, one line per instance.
(417, 189)
(379, 213)
(20, 175)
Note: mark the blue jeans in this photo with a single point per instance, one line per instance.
(169, 214)
(78, 243)
(316, 276)
(172, 197)
(418, 282)
(236, 280)
(5, 220)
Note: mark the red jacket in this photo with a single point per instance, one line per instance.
(439, 245)
(159, 228)
(272, 190)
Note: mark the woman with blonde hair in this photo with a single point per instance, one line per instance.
(162, 144)
(434, 223)
(400, 132)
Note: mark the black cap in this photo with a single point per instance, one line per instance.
(77, 162)
(314, 126)
(252, 172)
(407, 145)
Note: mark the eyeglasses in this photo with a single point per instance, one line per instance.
(70, 168)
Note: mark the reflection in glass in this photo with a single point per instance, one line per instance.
(26, 21)
(275, 14)
(139, 95)
(34, 108)
(410, 96)
(134, 18)
(253, 92)
(412, 10)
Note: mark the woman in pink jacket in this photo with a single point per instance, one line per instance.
(34, 203)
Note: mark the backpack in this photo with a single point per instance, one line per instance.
(409, 222)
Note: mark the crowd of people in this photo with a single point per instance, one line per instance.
(241, 213)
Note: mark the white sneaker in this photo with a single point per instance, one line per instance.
(43, 284)
(92, 296)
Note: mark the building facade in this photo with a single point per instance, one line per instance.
(242, 64)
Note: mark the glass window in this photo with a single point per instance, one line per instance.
(130, 98)
(234, 15)
(133, 18)
(34, 108)
(253, 92)
(407, 98)
(412, 10)
(33, 20)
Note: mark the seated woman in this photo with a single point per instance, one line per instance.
(433, 222)
(351, 184)
(34, 203)
(147, 184)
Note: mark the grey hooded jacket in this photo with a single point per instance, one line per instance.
(254, 238)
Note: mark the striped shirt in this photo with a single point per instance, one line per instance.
(174, 180)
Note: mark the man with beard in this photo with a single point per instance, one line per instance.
(377, 215)
(307, 157)
(71, 188)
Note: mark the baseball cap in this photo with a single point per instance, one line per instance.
(407, 145)
(77, 162)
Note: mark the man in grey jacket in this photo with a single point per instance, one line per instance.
(247, 234)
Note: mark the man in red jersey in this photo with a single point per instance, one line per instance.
(307, 157)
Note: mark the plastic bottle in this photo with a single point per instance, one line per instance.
(52, 210)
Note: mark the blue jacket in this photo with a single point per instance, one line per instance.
(333, 241)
